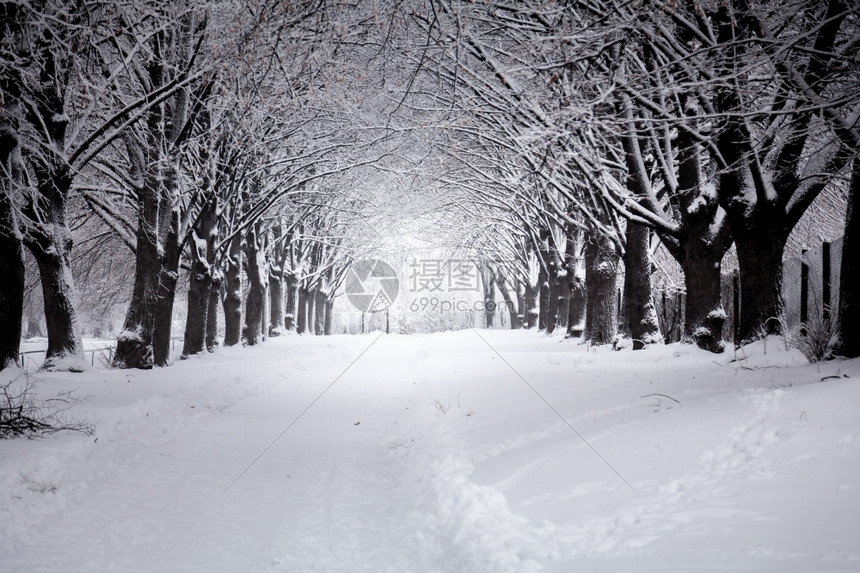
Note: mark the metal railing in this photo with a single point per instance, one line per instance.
(27, 361)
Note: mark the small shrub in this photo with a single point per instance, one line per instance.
(816, 339)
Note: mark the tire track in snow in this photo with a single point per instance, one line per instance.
(698, 497)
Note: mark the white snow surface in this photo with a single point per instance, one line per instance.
(445, 453)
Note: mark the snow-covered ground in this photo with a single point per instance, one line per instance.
(474, 451)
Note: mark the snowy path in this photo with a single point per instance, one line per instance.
(327, 496)
(432, 454)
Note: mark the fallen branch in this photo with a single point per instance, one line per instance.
(22, 415)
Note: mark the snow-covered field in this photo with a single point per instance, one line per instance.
(474, 451)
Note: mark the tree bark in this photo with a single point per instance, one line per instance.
(849, 277)
(212, 313)
(530, 297)
(698, 246)
(145, 340)
(555, 294)
(488, 281)
(641, 316)
(513, 313)
(11, 266)
(703, 308)
(201, 278)
(255, 304)
(198, 309)
(65, 350)
(310, 312)
(522, 311)
(12, 293)
(134, 344)
(543, 296)
(43, 222)
(329, 309)
(276, 302)
(760, 253)
(575, 285)
(291, 304)
(302, 310)
(601, 272)
(161, 335)
(319, 311)
(233, 295)
(576, 307)
(49, 239)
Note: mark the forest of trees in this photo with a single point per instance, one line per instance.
(250, 151)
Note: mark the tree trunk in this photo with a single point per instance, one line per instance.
(575, 307)
(530, 297)
(264, 315)
(310, 312)
(212, 313)
(255, 304)
(12, 293)
(166, 294)
(198, 311)
(276, 302)
(699, 246)
(555, 294)
(509, 303)
(48, 176)
(601, 273)
(291, 296)
(254, 309)
(11, 252)
(488, 281)
(543, 296)
(49, 238)
(233, 295)
(329, 309)
(575, 285)
(134, 344)
(704, 311)
(760, 254)
(641, 316)
(201, 278)
(849, 277)
(134, 347)
(65, 350)
(302, 313)
(198, 302)
(319, 311)
(145, 340)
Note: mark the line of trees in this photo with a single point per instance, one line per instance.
(603, 127)
(563, 142)
(208, 139)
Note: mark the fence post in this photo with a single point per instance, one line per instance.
(825, 281)
(387, 323)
